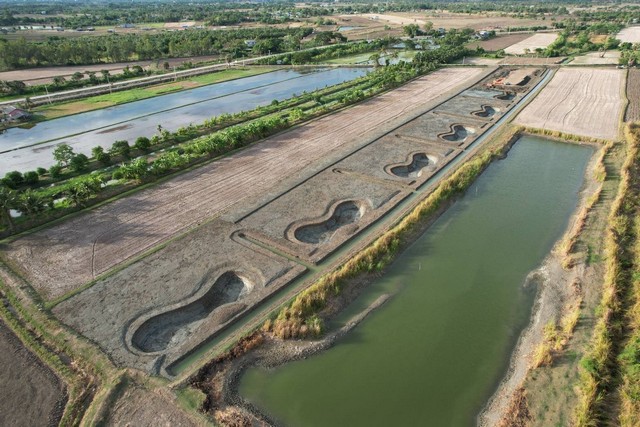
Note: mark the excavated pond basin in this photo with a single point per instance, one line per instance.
(345, 213)
(172, 327)
(434, 353)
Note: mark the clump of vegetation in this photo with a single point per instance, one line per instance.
(556, 335)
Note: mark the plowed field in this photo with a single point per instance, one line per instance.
(540, 40)
(582, 101)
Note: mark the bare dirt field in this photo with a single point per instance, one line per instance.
(629, 34)
(540, 40)
(498, 43)
(581, 101)
(44, 75)
(633, 95)
(449, 20)
(143, 408)
(31, 393)
(59, 259)
(597, 58)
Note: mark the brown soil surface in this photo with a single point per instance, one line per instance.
(584, 101)
(141, 408)
(59, 259)
(633, 95)
(540, 40)
(499, 43)
(629, 34)
(596, 58)
(45, 75)
(31, 394)
(455, 20)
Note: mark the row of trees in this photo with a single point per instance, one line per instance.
(21, 191)
(118, 48)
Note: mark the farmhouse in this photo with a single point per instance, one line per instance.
(9, 113)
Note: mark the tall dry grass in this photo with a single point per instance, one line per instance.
(597, 367)
(629, 358)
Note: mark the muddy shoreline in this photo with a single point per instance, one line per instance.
(274, 352)
(554, 292)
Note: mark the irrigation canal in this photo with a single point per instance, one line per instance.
(27, 149)
(435, 352)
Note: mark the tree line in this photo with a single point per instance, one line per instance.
(124, 47)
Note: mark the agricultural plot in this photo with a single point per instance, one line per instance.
(454, 20)
(610, 57)
(31, 393)
(629, 35)
(530, 44)
(499, 42)
(152, 313)
(45, 75)
(580, 101)
(61, 258)
(140, 407)
(633, 95)
(324, 212)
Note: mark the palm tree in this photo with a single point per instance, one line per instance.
(7, 202)
(30, 203)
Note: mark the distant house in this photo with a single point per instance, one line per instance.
(9, 113)
(250, 43)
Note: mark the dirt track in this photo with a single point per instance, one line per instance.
(140, 407)
(63, 257)
(583, 101)
(31, 394)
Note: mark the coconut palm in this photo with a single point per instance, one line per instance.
(7, 202)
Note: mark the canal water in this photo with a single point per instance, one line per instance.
(435, 352)
(23, 149)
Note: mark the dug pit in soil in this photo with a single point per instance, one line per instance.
(413, 170)
(345, 213)
(486, 111)
(173, 327)
(458, 133)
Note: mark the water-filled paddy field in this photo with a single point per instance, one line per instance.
(434, 353)
(26, 149)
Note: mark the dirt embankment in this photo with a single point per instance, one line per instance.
(31, 394)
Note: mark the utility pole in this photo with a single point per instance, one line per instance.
(46, 88)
